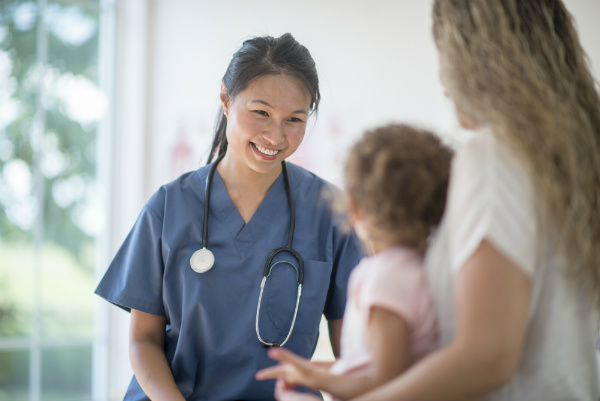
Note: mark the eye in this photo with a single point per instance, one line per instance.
(261, 112)
(295, 120)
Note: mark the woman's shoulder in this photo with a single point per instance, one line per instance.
(186, 186)
(306, 179)
(491, 196)
(313, 192)
(485, 149)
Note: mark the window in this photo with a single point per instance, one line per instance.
(50, 214)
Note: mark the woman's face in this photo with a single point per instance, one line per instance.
(265, 122)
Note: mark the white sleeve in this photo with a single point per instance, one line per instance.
(491, 197)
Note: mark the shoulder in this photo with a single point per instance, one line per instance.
(491, 196)
(487, 173)
(397, 264)
(306, 183)
(187, 186)
(394, 270)
(485, 157)
(306, 177)
(394, 279)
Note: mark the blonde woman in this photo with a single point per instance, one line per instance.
(515, 265)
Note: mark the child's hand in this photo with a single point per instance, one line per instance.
(284, 393)
(293, 369)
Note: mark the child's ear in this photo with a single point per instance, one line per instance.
(354, 212)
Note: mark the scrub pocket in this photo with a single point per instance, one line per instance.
(280, 294)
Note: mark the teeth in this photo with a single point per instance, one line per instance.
(266, 151)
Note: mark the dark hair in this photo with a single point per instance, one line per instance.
(398, 175)
(260, 56)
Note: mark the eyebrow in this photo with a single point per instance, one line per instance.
(268, 105)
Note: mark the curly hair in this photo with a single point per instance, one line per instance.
(518, 66)
(398, 176)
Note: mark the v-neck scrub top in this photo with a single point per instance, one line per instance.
(211, 343)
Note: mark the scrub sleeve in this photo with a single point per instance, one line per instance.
(137, 284)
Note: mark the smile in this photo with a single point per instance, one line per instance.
(266, 151)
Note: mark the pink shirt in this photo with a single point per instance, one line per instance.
(395, 280)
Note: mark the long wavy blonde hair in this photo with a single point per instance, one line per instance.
(518, 66)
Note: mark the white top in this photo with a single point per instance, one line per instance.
(393, 279)
(491, 197)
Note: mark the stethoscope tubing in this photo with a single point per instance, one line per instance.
(268, 267)
(211, 173)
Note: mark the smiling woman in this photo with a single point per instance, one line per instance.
(265, 124)
(196, 331)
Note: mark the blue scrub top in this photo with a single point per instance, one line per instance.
(211, 343)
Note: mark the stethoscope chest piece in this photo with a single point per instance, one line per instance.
(202, 260)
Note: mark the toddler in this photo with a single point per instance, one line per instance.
(396, 178)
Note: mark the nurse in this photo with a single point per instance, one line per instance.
(198, 330)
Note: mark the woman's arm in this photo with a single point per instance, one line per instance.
(492, 304)
(335, 334)
(388, 342)
(147, 356)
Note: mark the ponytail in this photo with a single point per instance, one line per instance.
(219, 145)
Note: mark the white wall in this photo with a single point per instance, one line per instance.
(376, 62)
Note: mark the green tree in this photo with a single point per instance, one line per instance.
(52, 172)
(65, 153)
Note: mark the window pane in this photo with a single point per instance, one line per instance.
(74, 105)
(67, 373)
(18, 39)
(16, 291)
(48, 196)
(67, 300)
(14, 370)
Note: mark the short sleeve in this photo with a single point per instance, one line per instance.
(347, 254)
(397, 285)
(134, 278)
(490, 197)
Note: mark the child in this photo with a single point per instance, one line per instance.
(396, 179)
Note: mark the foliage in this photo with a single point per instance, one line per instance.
(49, 107)
(53, 170)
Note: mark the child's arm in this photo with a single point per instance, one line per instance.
(389, 344)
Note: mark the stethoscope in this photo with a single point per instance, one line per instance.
(203, 259)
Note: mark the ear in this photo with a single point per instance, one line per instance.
(225, 100)
(354, 212)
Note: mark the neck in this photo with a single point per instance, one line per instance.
(378, 239)
(381, 245)
(243, 180)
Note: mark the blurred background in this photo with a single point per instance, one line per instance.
(102, 101)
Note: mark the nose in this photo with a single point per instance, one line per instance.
(275, 134)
